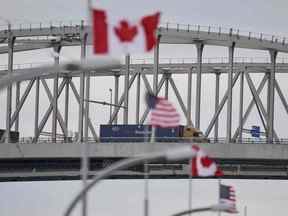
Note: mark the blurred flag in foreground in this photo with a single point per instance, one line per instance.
(203, 165)
(163, 113)
(227, 197)
(124, 34)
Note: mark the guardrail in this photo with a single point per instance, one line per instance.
(240, 60)
(184, 27)
(29, 140)
(223, 30)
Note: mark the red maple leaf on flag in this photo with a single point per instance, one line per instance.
(125, 32)
(206, 161)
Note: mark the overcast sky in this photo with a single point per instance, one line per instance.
(41, 198)
(257, 16)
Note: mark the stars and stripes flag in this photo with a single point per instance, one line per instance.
(163, 113)
(227, 197)
(202, 165)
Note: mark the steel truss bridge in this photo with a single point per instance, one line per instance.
(59, 159)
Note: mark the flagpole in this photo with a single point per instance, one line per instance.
(146, 174)
(85, 156)
(190, 186)
(219, 185)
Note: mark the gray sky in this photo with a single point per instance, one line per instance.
(125, 197)
(41, 198)
(257, 16)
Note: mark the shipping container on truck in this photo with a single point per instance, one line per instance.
(137, 133)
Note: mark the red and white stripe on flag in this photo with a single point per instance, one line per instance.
(164, 114)
(203, 165)
(125, 35)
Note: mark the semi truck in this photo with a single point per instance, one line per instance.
(142, 133)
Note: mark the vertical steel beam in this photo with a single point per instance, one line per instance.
(55, 96)
(86, 134)
(116, 92)
(16, 104)
(66, 107)
(229, 100)
(217, 88)
(241, 107)
(156, 65)
(11, 41)
(126, 89)
(199, 47)
(36, 116)
(189, 98)
(82, 87)
(138, 96)
(270, 123)
(166, 89)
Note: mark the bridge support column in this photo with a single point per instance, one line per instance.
(86, 132)
(167, 87)
(217, 87)
(138, 96)
(271, 81)
(55, 96)
(241, 107)
(189, 98)
(156, 66)
(116, 92)
(82, 89)
(11, 41)
(126, 89)
(36, 116)
(229, 100)
(66, 107)
(16, 104)
(199, 47)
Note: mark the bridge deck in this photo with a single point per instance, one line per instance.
(123, 150)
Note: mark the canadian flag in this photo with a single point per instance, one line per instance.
(203, 165)
(124, 34)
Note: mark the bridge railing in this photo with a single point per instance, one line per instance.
(29, 140)
(39, 25)
(186, 27)
(223, 30)
(237, 60)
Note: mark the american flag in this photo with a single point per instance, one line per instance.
(163, 113)
(228, 197)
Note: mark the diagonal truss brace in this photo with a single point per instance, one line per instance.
(220, 107)
(77, 96)
(58, 114)
(172, 83)
(115, 113)
(48, 112)
(148, 87)
(258, 101)
(20, 105)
